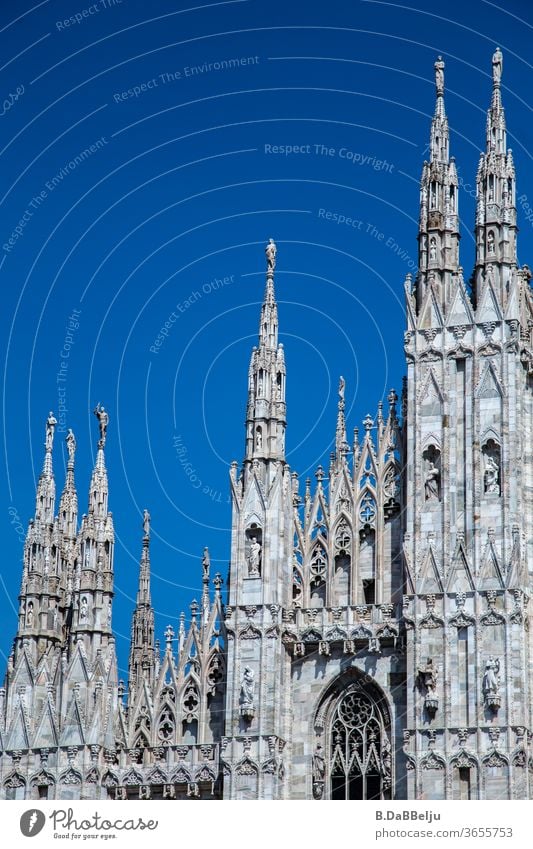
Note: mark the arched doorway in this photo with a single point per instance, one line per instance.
(354, 722)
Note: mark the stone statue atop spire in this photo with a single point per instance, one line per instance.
(51, 423)
(71, 444)
(206, 564)
(146, 524)
(497, 67)
(439, 76)
(270, 252)
(103, 421)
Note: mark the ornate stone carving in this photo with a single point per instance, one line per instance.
(247, 693)
(491, 684)
(254, 558)
(428, 676)
(318, 771)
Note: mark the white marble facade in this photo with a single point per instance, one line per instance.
(374, 642)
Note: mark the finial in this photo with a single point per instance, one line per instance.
(368, 422)
(194, 611)
(169, 634)
(51, 423)
(270, 252)
(218, 581)
(497, 67)
(103, 420)
(70, 439)
(439, 76)
(146, 524)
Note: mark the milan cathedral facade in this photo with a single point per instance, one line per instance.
(373, 638)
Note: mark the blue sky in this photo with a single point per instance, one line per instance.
(209, 130)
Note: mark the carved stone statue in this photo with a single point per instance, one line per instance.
(491, 681)
(432, 250)
(490, 242)
(109, 613)
(497, 66)
(84, 609)
(270, 252)
(146, 523)
(29, 615)
(491, 475)
(247, 692)
(390, 486)
(428, 676)
(439, 75)
(206, 562)
(254, 558)
(319, 764)
(318, 772)
(431, 483)
(71, 444)
(258, 438)
(103, 421)
(342, 387)
(51, 423)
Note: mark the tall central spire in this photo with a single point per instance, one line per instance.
(46, 489)
(266, 413)
(268, 327)
(496, 229)
(438, 238)
(142, 648)
(440, 134)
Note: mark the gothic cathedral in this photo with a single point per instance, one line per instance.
(373, 639)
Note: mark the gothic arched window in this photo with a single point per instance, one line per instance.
(360, 752)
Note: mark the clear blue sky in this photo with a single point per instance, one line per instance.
(186, 178)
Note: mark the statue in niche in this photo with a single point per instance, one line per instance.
(318, 772)
(258, 438)
(431, 483)
(432, 249)
(247, 692)
(109, 613)
(491, 682)
(29, 615)
(492, 475)
(390, 486)
(84, 609)
(490, 241)
(103, 421)
(428, 677)
(51, 423)
(71, 444)
(254, 557)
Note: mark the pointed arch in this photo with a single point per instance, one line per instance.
(353, 723)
